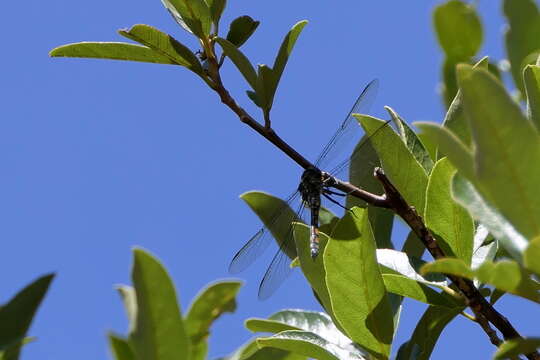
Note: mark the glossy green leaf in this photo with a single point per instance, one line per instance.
(398, 263)
(267, 207)
(241, 30)
(458, 29)
(531, 79)
(505, 275)
(465, 193)
(523, 34)
(265, 86)
(511, 349)
(111, 51)
(531, 256)
(212, 302)
(159, 332)
(398, 162)
(285, 51)
(17, 314)
(251, 351)
(404, 286)
(120, 347)
(193, 15)
(361, 169)
(427, 332)
(216, 9)
(313, 269)
(448, 220)
(308, 344)
(129, 298)
(412, 141)
(164, 45)
(455, 119)
(413, 246)
(267, 326)
(506, 144)
(449, 146)
(359, 300)
(241, 62)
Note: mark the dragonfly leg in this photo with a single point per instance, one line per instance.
(331, 192)
(335, 202)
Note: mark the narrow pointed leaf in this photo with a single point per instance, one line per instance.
(427, 332)
(159, 333)
(398, 162)
(241, 30)
(412, 141)
(265, 82)
(216, 9)
(285, 51)
(531, 79)
(404, 286)
(523, 34)
(511, 349)
(192, 15)
(509, 237)
(120, 348)
(165, 45)
(241, 62)
(308, 344)
(359, 300)
(129, 298)
(502, 163)
(111, 51)
(447, 219)
(505, 275)
(16, 316)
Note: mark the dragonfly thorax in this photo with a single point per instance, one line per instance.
(311, 186)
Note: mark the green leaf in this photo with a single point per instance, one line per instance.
(455, 119)
(485, 247)
(427, 332)
(16, 316)
(164, 45)
(111, 51)
(412, 141)
(458, 29)
(398, 162)
(267, 207)
(308, 344)
(361, 169)
(523, 34)
(404, 286)
(251, 351)
(265, 82)
(120, 348)
(465, 193)
(513, 348)
(285, 51)
(216, 9)
(207, 307)
(506, 144)
(531, 79)
(193, 15)
(240, 61)
(505, 275)
(531, 256)
(241, 30)
(159, 333)
(448, 220)
(359, 300)
(413, 246)
(449, 146)
(313, 269)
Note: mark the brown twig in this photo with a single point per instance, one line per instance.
(392, 199)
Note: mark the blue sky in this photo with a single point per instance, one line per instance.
(99, 156)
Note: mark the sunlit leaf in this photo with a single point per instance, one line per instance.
(511, 349)
(241, 30)
(531, 79)
(241, 62)
(120, 347)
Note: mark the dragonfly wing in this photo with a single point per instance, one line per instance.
(276, 226)
(349, 131)
(280, 268)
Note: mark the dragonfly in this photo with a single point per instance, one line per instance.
(314, 184)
